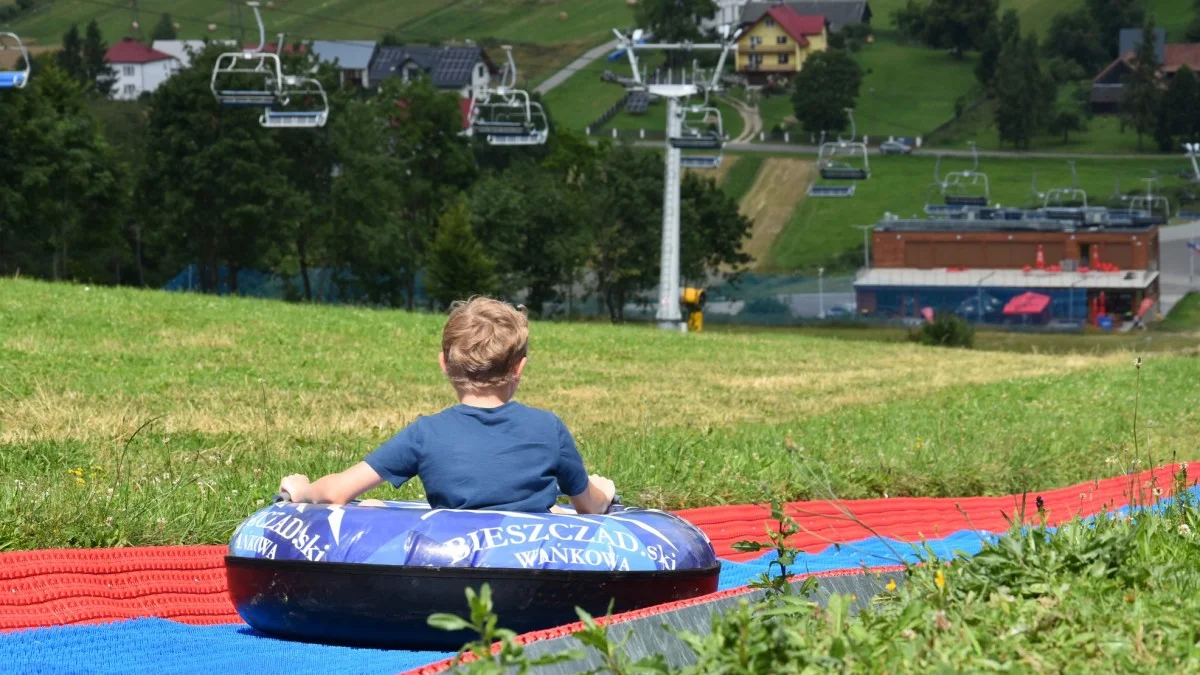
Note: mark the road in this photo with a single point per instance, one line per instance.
(798, 149)
(575, 66)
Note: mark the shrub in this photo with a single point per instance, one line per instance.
(946, 330)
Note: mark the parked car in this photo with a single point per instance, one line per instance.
(895, 147)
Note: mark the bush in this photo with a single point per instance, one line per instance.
(947, 330)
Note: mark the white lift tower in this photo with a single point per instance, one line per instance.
(669, 315)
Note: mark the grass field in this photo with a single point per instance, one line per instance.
(229, 394)
(549, 40)
(820, 229)
(1185, 315)
(741, 176)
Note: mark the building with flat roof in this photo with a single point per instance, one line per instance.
(1086, 262)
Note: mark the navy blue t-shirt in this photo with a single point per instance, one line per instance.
(510, 458)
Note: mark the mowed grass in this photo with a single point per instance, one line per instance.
(551, 33)
(820, 230)
(139, 417)
(1185, 315)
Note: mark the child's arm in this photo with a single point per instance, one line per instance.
(336, 488)
(597, 497)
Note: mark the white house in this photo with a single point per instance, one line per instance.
(465, 69)
(139, 68)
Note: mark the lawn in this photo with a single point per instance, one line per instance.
(741, 176)
(229, 394)
(1184, 316)
(820, 231)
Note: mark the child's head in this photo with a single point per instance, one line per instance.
(484, 345)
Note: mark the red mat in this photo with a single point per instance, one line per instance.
(187, 583)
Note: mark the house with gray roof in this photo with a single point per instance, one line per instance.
(838, 13)
(463, 68)
(352, 58)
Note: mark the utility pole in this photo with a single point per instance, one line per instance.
(669, 316)
(866, 244)
(821, 292)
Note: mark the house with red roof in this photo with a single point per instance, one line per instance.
(778, 43)
(139, 68)
(1109, 86)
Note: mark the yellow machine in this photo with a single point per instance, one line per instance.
(693, 300)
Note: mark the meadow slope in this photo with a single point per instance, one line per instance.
(229, 394)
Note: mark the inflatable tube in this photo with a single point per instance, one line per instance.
(371, 576)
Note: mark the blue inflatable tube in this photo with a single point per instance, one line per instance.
(371, 575)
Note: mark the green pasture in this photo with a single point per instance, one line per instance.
(138, 417)
(741, 176)
(820, 230)
(1185, 315)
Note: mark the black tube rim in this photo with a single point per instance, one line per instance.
(481, 573)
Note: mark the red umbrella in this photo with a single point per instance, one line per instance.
(1041, 257)
(1027, 303)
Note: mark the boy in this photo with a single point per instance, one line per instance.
(487, 452)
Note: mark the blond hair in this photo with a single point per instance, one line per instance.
(483, 342)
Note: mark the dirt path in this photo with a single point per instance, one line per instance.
(778, 190)
(751, 120)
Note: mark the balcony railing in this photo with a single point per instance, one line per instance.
(772, 48)
(768, 68)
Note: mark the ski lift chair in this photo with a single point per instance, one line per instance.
(833, 169)
(235, 72)
(513, 120)
(14, 79)
(706, 137)
(303, 89)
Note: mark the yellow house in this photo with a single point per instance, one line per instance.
(779, 42)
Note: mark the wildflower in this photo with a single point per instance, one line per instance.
(235, 493)
(1184, 530)
(108, 521)
(79, 481)
(940, 580)
(941, 621)
(259, 503)
(161, 523)
(1137, 363)
(1041, 504)
(1082, 496)
(1158, 492)
(908, 634)
(891, 586)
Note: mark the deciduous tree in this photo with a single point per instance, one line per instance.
(1113, 15)
(1075, 36)
(1177, 121)
(458, 266)
(828, 84)
(957, 25)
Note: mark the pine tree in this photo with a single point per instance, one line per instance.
(70, 57)
(458, 267)
(1177, 114)
(1024, 94)
(1143, 94)
(164, 29)
(95, 65)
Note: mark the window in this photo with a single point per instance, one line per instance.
(130, 90)
(128, 71)
(755, 40)
(756, 59)
(781, 40)
(770, 22)
(783, 59)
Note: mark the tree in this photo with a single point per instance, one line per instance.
(1024, 94)
(458, 265)
(1075, 37)
(403, 163)
(827, 85)
(1143, 94)
(1110, 17)
(215, 181)
(70, 57)
(712, 228)
(1192, 34)
(96, 71)
(957, 25)
(1066, 118)
(535, 223)
(674, 21)
(997, 35)
(164, 29)
(1177, 115)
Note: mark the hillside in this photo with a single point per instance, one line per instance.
(562, 28)
(233, 393)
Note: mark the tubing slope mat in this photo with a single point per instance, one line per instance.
(166, 609)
